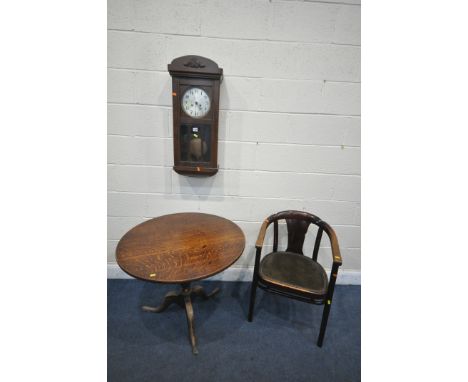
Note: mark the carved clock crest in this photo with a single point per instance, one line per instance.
(194, 63)
(195, 106)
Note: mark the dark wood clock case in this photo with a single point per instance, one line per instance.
(195, 139)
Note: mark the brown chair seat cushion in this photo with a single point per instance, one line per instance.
(294, 271)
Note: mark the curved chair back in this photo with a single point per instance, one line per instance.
(297, 224)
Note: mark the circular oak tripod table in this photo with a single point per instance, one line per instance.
(179, 249)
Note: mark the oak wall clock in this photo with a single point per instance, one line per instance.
(195, 107)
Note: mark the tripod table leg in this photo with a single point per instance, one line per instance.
(199, 291)
(189, 313)
(169, 299)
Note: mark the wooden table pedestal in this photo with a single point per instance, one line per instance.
(183, 298)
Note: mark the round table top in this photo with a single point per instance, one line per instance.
(180, 248)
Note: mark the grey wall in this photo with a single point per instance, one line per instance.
(289, 134)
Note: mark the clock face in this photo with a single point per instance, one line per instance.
(196, 103)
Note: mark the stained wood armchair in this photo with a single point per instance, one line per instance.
(292, 274)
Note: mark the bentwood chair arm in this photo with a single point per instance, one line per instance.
(334, 243)
(261, 234)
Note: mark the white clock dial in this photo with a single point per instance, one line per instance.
(196, 103)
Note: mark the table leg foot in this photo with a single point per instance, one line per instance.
(189, 313)
(170, 298)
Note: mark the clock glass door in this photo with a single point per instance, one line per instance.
(195, 143)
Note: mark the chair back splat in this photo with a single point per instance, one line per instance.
(298, 223)
(297, 230)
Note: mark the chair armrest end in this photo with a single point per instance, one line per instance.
(261, 234)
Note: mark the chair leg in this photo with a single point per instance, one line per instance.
(253, 292)
(323, 326)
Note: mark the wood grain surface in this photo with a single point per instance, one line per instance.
(180, 248)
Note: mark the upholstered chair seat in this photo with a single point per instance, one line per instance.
(295, 272)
